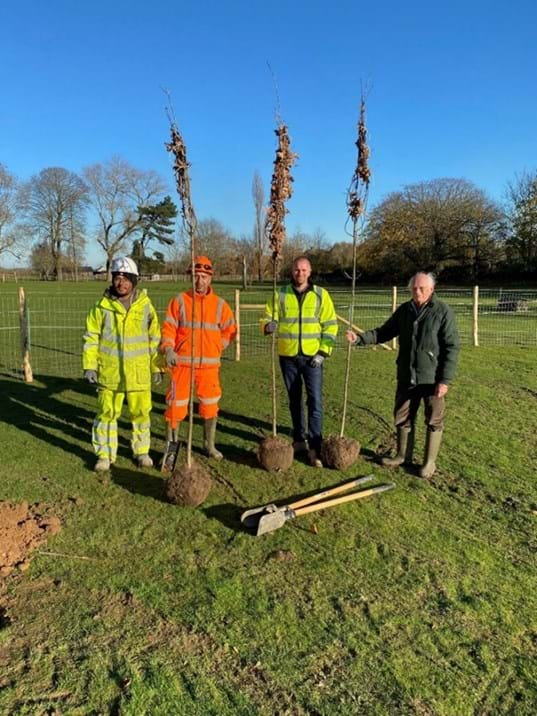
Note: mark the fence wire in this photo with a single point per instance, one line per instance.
(57, 320)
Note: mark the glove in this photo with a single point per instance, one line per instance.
(271, 327)
(317, 361)
(91, 376)
(157, 378)
(171, 357)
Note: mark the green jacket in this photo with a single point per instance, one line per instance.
(122, 345)
(304, 327)
(428, 342)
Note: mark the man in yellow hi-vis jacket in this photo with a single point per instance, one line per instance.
(120, 355)
(304, 317)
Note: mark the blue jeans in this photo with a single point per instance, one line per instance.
(296, 372)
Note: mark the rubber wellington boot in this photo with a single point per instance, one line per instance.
(433, 441)
(209, 432)
(405, 448)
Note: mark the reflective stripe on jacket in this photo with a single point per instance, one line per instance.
(212, 326)
(304, 327)
(122, 345)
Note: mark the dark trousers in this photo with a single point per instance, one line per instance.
(298, 372)
(407, 403)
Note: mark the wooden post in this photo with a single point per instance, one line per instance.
(394, 307)
(238, 322)
(475, 316)
(25, 337)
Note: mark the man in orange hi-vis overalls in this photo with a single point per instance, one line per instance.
(212, 327)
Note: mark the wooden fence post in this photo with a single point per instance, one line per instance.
(25, 337)
(238, 322)
(394, 307)
(475, 316)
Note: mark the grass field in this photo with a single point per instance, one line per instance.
(419, 601)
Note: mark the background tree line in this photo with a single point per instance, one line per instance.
(449, 226)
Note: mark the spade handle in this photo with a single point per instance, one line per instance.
(341, 500)
(330, 492)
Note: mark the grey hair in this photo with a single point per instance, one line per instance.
(430, 275)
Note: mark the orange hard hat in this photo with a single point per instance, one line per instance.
(202, 264)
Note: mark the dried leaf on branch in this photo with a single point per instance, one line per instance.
(356, 198)
(281, 189)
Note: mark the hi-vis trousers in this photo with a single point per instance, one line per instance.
(104, 433)
(206, 387)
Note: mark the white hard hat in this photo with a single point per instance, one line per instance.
(124, 264)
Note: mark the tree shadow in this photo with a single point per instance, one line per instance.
(39, 409)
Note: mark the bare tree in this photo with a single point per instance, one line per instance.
(522, 212)
(258, 195)
(52, 200)
(10, 234)
(116, 190)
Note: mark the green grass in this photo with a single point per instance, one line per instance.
(420, 601)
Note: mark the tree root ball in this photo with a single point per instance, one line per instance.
(188, 486)
(339, 453)
(275, 453)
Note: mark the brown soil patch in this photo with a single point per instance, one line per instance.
(189, 486)
(275, 453)
(339, 453)
(23, 528)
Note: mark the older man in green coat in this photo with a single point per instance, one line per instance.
(428, 352)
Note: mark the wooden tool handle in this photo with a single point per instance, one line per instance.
(341, 500)
(331, 491)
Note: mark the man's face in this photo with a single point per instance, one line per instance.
(202, 281)
(122, 285)
(301, 273)
(422, 289)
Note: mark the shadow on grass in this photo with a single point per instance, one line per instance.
(147, 484)
(227, 514)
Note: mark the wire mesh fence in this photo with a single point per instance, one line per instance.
(56, 320)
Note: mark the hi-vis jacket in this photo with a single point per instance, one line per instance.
(121, 345)
(212, 328)
(304, 327)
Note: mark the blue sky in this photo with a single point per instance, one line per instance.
(452, 94)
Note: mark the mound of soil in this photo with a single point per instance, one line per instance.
(275, 453)
(339, 453)
(189, 486)
(23, 528)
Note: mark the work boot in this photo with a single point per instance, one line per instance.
(144, 460)
(405, 448)
(433, 441)
(299, 446)
(209, 433)
(313, 458)
(102, 465)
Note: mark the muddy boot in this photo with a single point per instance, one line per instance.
(405, 448)
(433, 441)
(209, 432)
(102, 465)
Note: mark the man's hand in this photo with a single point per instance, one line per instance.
(171, 357)
(317, 361)
(270, 327)
(157, 378)
(91, 376)
(440, 389)
(354, 338)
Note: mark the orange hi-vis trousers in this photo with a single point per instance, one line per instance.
(206, 387)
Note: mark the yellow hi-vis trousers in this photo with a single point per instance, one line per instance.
(104, 433)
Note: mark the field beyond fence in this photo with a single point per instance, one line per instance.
(53, 318)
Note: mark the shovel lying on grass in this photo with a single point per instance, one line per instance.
(269, 518)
